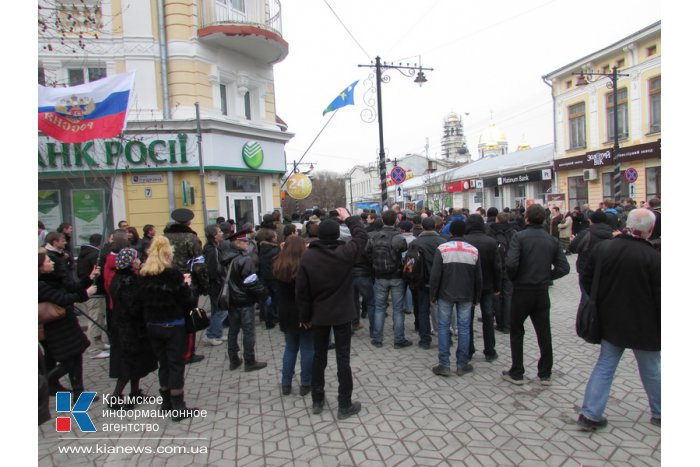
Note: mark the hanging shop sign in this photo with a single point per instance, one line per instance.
(462, 185)
(299, 186)
(604, 157)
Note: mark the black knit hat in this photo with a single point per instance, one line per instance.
(329, 230)
(458, 227)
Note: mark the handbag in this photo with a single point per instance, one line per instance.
(50, 312)
(587, 320)
(222, 301)
(196, 320)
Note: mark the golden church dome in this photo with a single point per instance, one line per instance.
(452, 118)
(492, 137)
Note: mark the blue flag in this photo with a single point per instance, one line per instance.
(344, 98)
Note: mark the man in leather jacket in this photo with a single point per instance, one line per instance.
(245, 289)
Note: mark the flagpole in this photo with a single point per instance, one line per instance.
(307, 149)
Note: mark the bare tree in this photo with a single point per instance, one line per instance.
(66, 26)
(328, 192)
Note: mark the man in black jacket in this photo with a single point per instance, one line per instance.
(245, 289)
(427, 243)
(491, 285)
(627, 271)
(503, 232)
(583, 244)
(534, 260)
(323, 291)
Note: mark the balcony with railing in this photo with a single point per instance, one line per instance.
(251, 27)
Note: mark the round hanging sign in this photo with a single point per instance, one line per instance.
(299, 186)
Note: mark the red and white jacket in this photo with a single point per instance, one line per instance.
(456, 273)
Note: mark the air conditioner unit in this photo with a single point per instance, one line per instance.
(590, 174)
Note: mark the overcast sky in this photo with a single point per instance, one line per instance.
(489, 57)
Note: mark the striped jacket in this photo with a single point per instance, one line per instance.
(456, 272)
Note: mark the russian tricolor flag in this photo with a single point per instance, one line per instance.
(88, 111)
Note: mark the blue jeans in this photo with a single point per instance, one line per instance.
(422, 297)
(216, 326)
(598, 388)
(362, 287)
(382, 287)
(242, 318)
(464, 312)
(298, 342)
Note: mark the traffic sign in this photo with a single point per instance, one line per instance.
(398, 175)
(631, 175)
(399, 194)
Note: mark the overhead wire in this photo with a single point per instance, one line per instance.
(346, 29)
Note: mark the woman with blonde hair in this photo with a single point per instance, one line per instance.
(164, 296)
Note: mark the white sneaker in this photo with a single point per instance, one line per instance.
(103, 354)
(212, 342)
(106, 347)
(223, 338)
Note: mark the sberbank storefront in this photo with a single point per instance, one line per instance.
(140, 178)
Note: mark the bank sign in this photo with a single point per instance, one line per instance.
(158, 152)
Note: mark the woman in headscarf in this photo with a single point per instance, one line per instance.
(133, 357)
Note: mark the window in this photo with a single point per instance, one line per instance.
(620, 63)
(578, 192)
(609, 186)
(653, 176)
(651, 50)
(622, 126)
(655, 105)
(242, 183)
(577, 126)
(224, 107)
(246, 101)
(78, 76)
(42, 76)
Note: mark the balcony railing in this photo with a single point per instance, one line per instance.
(266, 14)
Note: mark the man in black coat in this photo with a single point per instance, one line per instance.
(491, 285)
(324, 296)
(627, 274)
(427, 243)
(534, 260)
(583, 245)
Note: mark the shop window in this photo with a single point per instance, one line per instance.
(655, 105)
(653, 177)
(242, 184)
(609, 185)
(622, 126)
(578, 192)
(577, 126)
(84, 75)
(224, 103)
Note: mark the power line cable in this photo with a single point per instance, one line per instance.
(420, 19)
(347, 30)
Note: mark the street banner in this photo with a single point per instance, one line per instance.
(85, 112)
(88, 214)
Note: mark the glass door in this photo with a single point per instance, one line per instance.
(244, 209)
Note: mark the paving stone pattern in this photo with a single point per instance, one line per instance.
(409, 416)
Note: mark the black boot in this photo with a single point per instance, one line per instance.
(167, 403)
(180, 411)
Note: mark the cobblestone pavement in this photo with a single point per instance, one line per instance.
(409, 416)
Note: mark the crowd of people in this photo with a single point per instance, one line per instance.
(320, 275)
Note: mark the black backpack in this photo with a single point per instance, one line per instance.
(414, 268)
(502, 242)
(384, 259)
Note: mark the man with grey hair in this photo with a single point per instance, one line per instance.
(627, 271)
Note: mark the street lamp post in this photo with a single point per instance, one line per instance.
(587, 78)
(379, 68)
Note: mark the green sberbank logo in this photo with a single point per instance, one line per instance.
(253, 154)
